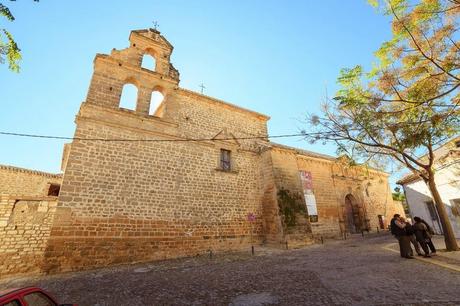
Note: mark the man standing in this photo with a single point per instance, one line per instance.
(422, 234)
(398, 230)
(430, 231)
(411, 233)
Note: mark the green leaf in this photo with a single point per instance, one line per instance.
(10, 49)
(374, 3)
(5, 12)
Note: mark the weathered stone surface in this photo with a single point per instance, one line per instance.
(24, 232)
(20, 181)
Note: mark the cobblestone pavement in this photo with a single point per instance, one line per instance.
(449, 260)
(357, 271)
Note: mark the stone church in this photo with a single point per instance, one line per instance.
(177, 178)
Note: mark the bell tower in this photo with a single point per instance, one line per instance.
(122, 67)
(151, 42)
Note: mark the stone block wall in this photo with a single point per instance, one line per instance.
(200, 116)
(138, 201)
(134, 201)
(333, 180)
(286, 177)
(325, 192)
(19, 181)
(25, 224)
(272, 226)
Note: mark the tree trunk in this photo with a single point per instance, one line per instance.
(449, 237)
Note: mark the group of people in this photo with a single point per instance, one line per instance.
(419, 234)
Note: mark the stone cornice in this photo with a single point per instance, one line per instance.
(304, 154)
(123, 112)
(29, 171)
(209, 99)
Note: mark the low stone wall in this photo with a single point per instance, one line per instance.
(25, 224)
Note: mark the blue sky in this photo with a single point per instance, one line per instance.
(274, 57)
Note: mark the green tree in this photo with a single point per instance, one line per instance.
(398, 195)
(409, 102)
(9, 50)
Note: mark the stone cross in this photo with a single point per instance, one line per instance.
(155, 25)
(202, 88)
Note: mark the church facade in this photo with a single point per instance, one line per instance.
(190, 174)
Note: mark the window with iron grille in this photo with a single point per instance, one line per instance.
(225, 160)
(432, 210)
(455, 207)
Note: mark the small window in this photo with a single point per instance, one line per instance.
(53, 190)
(225, 160)
(38, 299)
(457, 143)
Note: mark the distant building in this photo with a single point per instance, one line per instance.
(447, 177)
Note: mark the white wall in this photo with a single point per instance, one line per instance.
(448, 182)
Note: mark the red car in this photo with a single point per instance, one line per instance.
(29, 296)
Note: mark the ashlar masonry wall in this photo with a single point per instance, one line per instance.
(25, 224)
(137, 201)
(333, 180)
(26, 214)
(19, 181)
(143, 201)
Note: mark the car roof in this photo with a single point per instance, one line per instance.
(6, 293)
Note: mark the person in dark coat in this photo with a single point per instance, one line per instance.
(422, 235)
(395, 231)
(409, 230)
(429, 242)
(411, 233)
(397, 228)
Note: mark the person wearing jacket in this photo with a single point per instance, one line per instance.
(398, 230)
(422, 235)
(410, 231)
(411, 236)
(429, 242)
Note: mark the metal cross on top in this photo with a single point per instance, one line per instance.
(155, 25)
(202, 88)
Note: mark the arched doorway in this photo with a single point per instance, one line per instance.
(353, 215)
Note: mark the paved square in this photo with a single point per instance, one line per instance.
(357, 271)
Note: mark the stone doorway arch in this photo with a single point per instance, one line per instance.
(353, 214)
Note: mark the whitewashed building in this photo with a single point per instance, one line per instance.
(447, 178)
